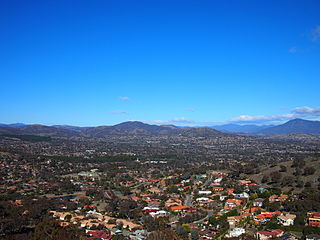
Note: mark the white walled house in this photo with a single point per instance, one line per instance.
(235, 232)
(286, 219)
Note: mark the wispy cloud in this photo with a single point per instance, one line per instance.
(124, 98)
(160, 121)
(312, 35)
(119, 112)
(262, 118)
(182, 120)
(295, 113)
(307, 111)
(315, 34)
(293, 49)
(190, 109)
(299, 112)
(174, 121)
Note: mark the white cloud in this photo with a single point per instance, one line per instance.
(181, 120)
(124, 98)
(295, 113)
(299, 112)
(174, 121)
(293, 50)
(315, 35)
(160, 121)
(247, 118)
(119, 112)
(307, 111)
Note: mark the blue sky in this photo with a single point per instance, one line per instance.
(180, 62)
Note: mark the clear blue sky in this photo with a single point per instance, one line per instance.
(182, 62)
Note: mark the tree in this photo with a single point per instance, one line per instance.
(187, 227)
(307, 185)
(119, 224)
(272, 224)
(298, 163)
(310, 230)
(172, 189)
(287, 181)
(275, 177)
(309, 171)
(194, 234)
(213, 220)
(50, 229)
(297, 172)
(299, 220)
(300, 183)
(181, 231)
(153, 224)
(68, 217)
(167, 234)
(274, 206)
(283, 168)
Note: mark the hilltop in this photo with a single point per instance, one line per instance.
(293, 126)
(287, 175)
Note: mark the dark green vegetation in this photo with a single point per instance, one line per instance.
(29, 138)
(32, 221)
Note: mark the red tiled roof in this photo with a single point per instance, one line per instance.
(180, 207)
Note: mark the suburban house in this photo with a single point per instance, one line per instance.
(314, 219)
(235, 232)
(232, 203)
(218, 189)
(179, 208)
(265, 216)
(258, 202)
(95, 234)
(207, 234)
(262, 235)
(205, 192)
(241, 195)
(275, 198)
(286, 219)
(233, 220)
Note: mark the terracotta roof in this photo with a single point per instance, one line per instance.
(180, 207)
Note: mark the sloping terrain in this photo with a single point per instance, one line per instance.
(293, 126)
(289, 174)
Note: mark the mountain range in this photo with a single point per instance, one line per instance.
(135, 128)
(132, 128)
(235, 128)
(292, 126)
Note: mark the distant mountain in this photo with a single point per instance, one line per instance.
(294, 126)
(127, 128)
(132, 128)
(236, 128)
(69, 127)
(135, 128)
(37, 129)
(13, 124)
